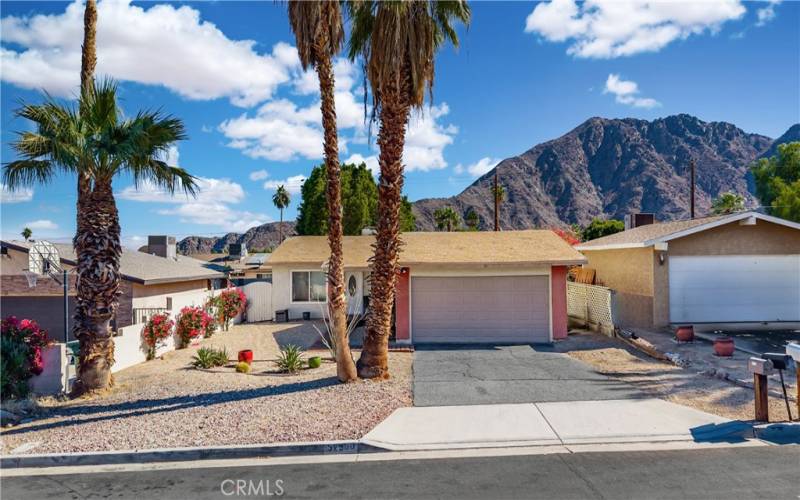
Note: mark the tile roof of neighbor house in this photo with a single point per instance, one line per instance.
(663, 231)
(482, 247)
(142, 267)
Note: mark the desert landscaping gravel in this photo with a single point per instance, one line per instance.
(166, 403)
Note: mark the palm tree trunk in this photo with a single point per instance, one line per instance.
(496, 203)
(97, 288)
(373, 362)
(88, 64)
(337, 305)
(280, 229)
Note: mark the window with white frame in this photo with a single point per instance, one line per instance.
(308, 286)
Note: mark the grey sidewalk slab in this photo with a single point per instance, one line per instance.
(562, 423)
(450, 427)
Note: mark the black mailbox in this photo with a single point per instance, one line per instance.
(779, 360)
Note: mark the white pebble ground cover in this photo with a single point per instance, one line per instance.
(166, 403)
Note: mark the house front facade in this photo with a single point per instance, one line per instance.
(731, 271)
(458, 287)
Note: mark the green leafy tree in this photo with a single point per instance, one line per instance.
(599, 228)
(281, 200)
(471, 219)
(727, 203)
(777, 181)
(97, 143)
(446, 219)
(26, 233)
(359, 202)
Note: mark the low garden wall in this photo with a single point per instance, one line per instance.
(55, 377)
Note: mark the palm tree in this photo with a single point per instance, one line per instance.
(99, 143)
(318, 30)
(498, 194)
(727, 203)
(26, 233)
(281, 200)
(446, 218)
(88, 64)
(471, 219)
(398, 43)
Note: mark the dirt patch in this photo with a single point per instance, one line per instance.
(667, 381)
(166, 403)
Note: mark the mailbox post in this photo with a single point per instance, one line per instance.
(793, 350)
(760, 368)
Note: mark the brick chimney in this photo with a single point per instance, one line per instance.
(163, 246)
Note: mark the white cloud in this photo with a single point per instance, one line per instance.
(767, 14)
(478, 168)
(259, 175)
(616, 28)
(172, 156)
(292, 184)
(43, 224)
(211, 206)
(426, 139)
(157, 45)
(625, 92)
(371, 162)
(16, 196)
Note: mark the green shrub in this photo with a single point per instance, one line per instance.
(243, 367)
(291, 359)
(314, 362)
(209, 357)
(14, 368)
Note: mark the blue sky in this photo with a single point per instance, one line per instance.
(525, 73)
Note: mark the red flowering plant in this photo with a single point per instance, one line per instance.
(157, 329)
(230, 303)
(193, 322)
(567, 236)
(23, 343)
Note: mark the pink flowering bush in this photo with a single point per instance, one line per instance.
(23, 343)
(157, 329)
(193, 322)
(230, 303)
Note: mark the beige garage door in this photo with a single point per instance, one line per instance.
(507, 309)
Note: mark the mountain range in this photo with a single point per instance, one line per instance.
(603, 168)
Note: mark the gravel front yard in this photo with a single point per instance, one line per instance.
(165, 403)
(687, 387)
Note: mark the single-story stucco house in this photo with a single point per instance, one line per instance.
(453, 287)
(159, 280)
(715, 272)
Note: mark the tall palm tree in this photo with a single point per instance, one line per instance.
(88, 64)
(398, 43)
(26, 233)
(281, 200)
(318, 30)
(99, 143)
(498, 195)
(446, 218)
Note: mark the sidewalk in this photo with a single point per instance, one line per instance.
(544, 424)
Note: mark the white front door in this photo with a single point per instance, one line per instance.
(354, 291)
(734, 288)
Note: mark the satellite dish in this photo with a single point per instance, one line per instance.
(43, 259)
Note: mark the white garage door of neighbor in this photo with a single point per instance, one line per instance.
(503, 309)
(734, 288)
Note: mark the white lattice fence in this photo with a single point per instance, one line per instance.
(590, 304)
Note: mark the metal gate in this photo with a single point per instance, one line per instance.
(259, 301)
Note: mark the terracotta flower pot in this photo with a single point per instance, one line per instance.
(724, 346)
(685, 333)
(246, 356)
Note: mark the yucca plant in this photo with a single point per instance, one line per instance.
(209, 357)
(290, 359)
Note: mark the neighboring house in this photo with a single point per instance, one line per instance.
(241, 270)
(152, 282)
(739, 269)
(453, 287)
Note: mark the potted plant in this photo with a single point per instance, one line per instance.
(246, 356)
(685, 333)
(724, 346)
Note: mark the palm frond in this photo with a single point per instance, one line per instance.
(310, 19)
(24, 173)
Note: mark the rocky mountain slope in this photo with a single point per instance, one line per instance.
(264, 236)
(611, 167)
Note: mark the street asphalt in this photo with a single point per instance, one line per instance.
(479, 375)
(747, 473)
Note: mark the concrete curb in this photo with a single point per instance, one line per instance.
(187, 454)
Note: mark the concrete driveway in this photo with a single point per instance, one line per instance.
(479, 375)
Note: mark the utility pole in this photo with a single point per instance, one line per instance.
(495, 193)
(691, 188)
